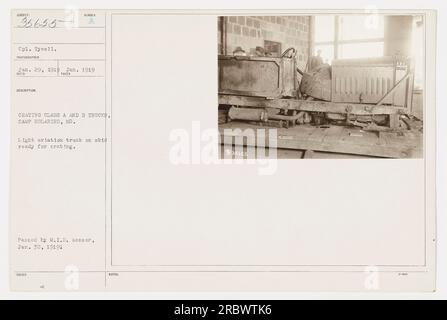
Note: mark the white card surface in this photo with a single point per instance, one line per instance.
(117, 175)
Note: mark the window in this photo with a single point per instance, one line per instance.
(361, 27)
(324, 28)
(326, 52)
(324, 36)
(349, 36)
(361, 50)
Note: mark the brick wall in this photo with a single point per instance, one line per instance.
(250, 32)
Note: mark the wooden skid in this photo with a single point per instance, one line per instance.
(311, 106)
(335, 139)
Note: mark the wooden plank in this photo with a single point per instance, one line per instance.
(394, 121)
(310, 106)
(318, 134)
(368, 144)
(308, 154)
(333, 134)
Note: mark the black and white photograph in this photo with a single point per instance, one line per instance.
(321, 86)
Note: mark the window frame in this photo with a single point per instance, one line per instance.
(336, 42)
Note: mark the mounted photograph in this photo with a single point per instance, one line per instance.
(321, 86)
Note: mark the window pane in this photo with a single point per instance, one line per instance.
(355, 27)
(361, 50)
(327, 52)
(324, 28)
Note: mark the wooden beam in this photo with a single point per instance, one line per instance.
(223, 34)
(289, 140)
(308, 154)
(394, 121)
(310, 106)
(336, 36)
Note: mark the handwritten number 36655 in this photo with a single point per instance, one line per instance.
(27, 22)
